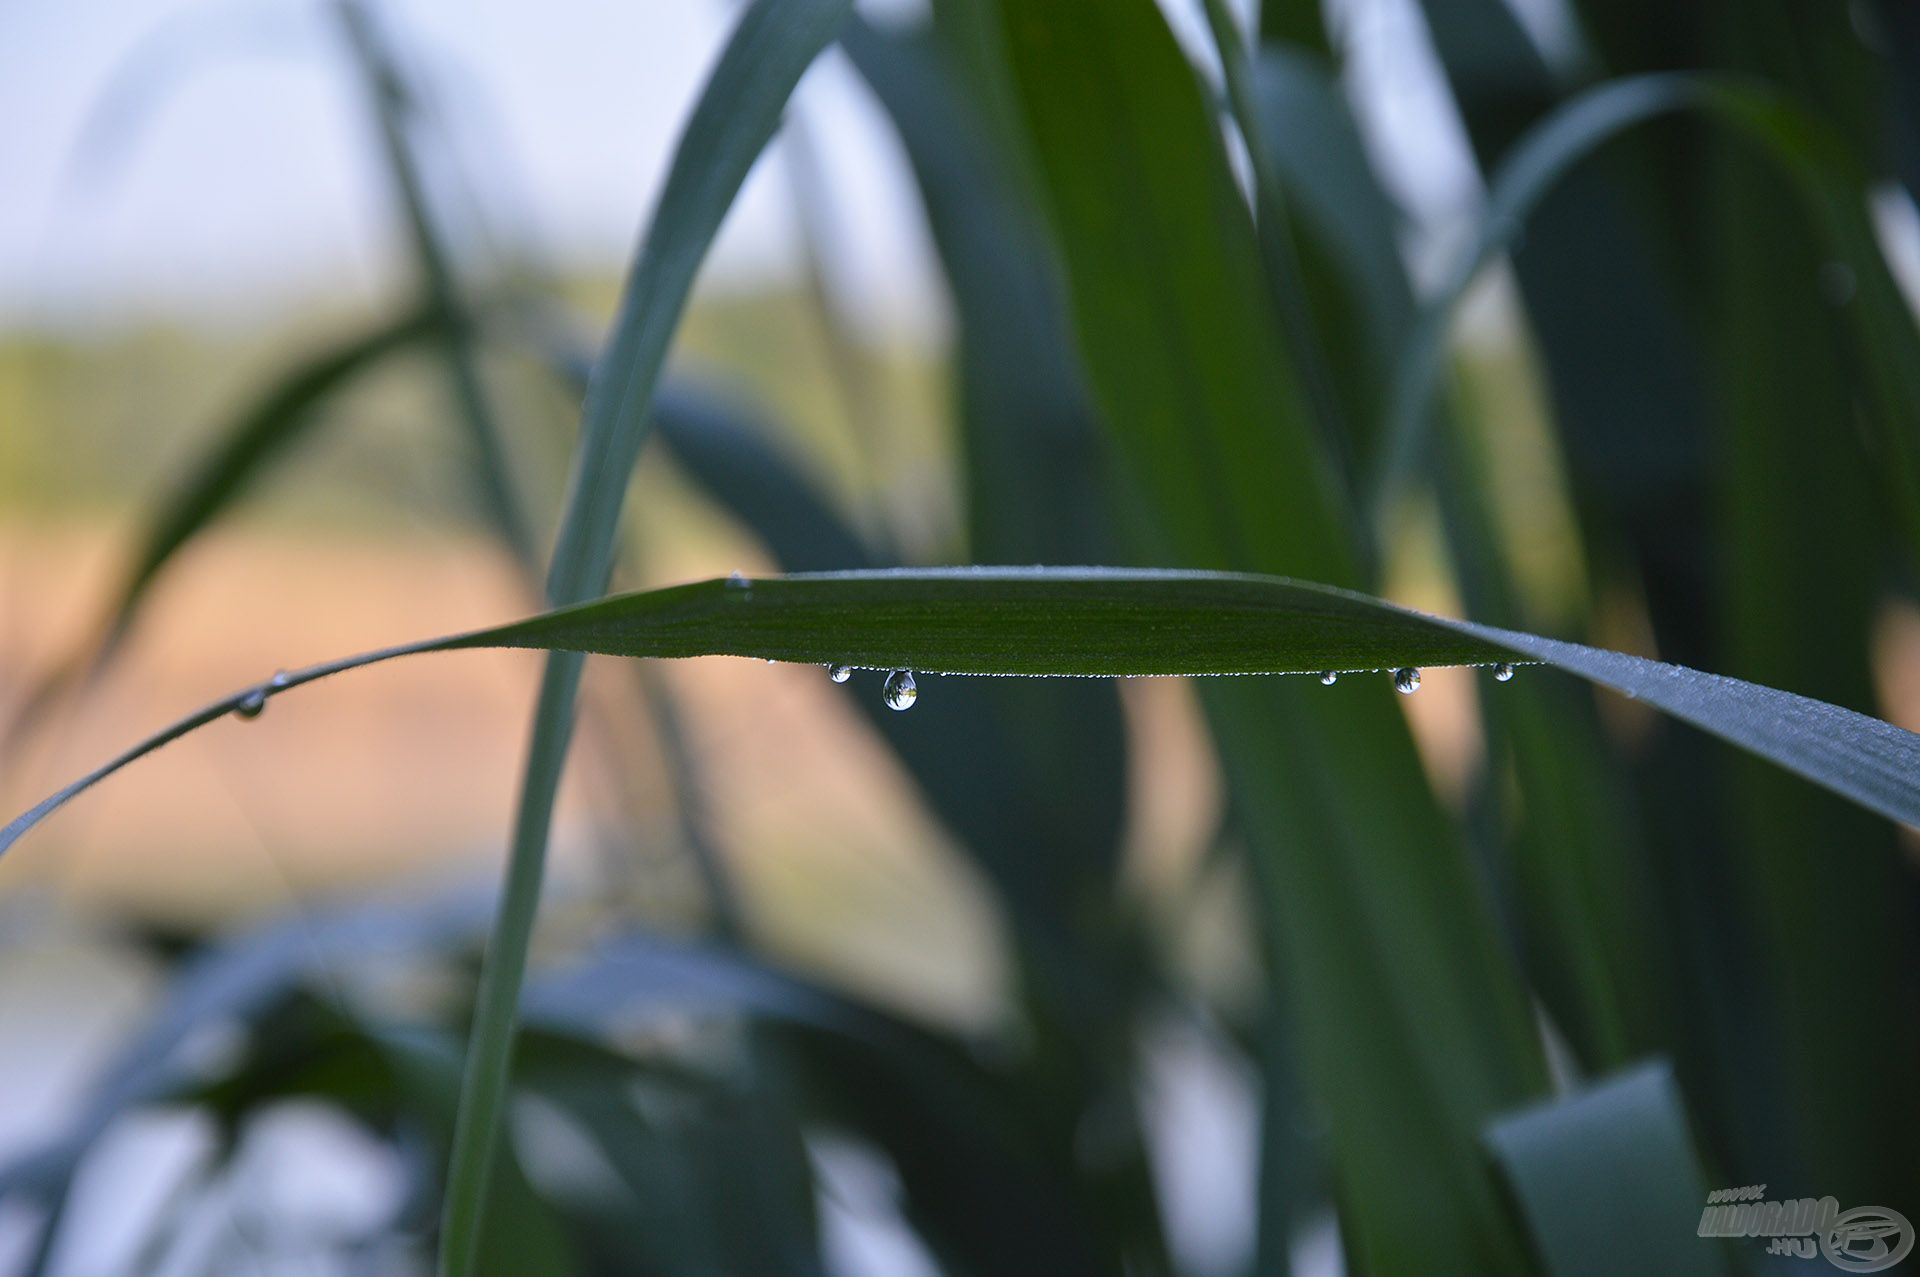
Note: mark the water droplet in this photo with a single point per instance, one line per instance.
(1406, 680)
(1329, 678)
(900, 690)
(839, 673)
(736, 581)
(739, 589)
(252, 703)
(1503, 673)
(279, 680)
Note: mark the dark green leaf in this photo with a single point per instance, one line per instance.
(1370, 903)
(1823, 170)
(1091, 622)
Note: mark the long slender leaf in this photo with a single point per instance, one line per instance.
(234, 979)
(457, 332)
(982, 1186)
(1575, 864)
(1370, 903)
(1066, 622)
(736, 115)
(1823, 171)
(1792, 525)
(265, 431)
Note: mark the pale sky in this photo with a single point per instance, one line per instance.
(230, 169)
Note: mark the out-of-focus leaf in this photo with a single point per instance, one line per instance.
(1608, 1180)
(273, 423)
(1535, 162)
(1823, 171)
(724, 1186)
(1280, 256)
(986, 1194)
(1345, 229)
(1575, 868)
(1033, 453)
(1372, 902)
(1794, 524)
(738, 110)
(234, 980)
(517, 1231)
(715, 442)
(1302, 26)
(1034, 470)
(457, 331)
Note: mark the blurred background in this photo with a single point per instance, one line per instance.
(203, 198)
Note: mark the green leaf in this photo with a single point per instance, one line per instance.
(1572, 856)
(739, 109)
(263, 432)
(1823, 171)
(1066, 622)
(980, 1180)
(1793, 525)
(396, 115)
(1371, 903)
(1346, 229)
(237, 978)
(1029, 778)
(1061, 622)
(1609, 1182)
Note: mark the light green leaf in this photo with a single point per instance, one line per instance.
(1608, 1180)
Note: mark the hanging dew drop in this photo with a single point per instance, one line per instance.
(839, 673)
(1329, 678)
(900, 691)
(1503, 673)
(1406, 681)
(254, 702)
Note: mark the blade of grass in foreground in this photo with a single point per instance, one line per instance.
(739, 108)
(1064, 622)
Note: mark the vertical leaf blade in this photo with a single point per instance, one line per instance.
(738, 111)
(1373, 906)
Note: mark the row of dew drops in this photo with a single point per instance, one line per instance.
(900, 692)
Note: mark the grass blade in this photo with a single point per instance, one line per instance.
(235, 979)
(1067, 622)
(738, 111)
(1822, 169)
(393, 109)
(264, 431)
(1371, 903)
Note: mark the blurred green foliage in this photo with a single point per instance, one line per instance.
(1158, 359)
